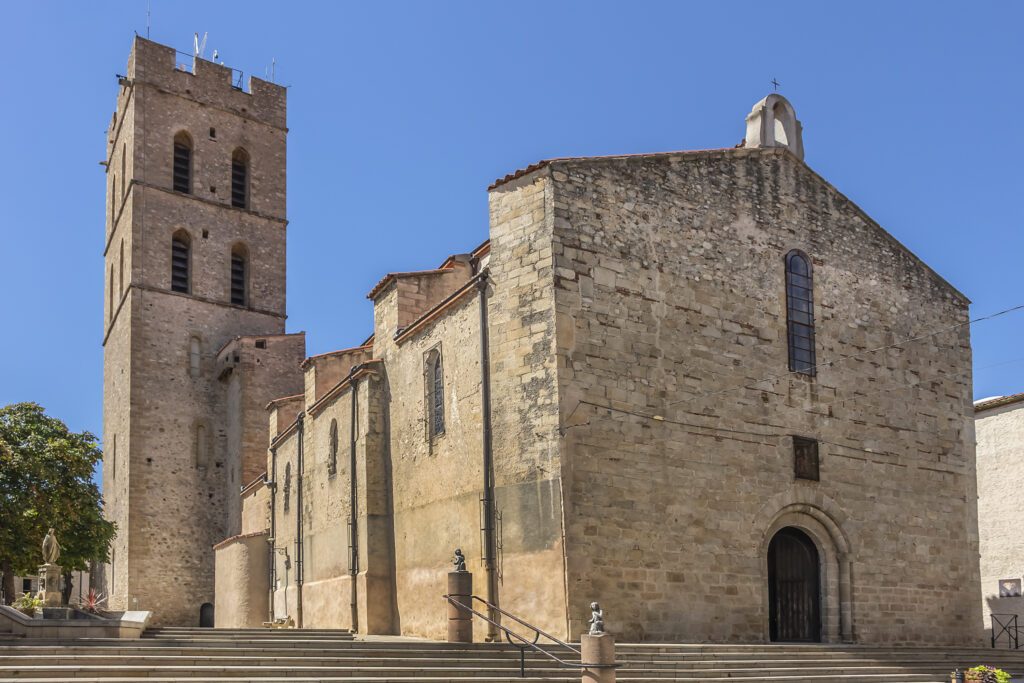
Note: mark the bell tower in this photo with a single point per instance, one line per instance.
(194, 257)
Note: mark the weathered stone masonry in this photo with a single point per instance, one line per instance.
(643, 412)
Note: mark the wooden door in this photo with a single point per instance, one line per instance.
(794, 590)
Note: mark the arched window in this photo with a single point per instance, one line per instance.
(195, 356)
(239, 275)
(287, 485)
(181, 257)
(110, 293)
(120, 271)
(332, 461)
(240, 179)
(202, 452)
(113, 199)
(800, 313)
(182, 176)
(435, 393)
(124, 174)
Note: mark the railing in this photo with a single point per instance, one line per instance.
(524, 643)
(1005, 624)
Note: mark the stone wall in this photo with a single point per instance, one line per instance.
(678, 456)
(253, 371)
(1000, 436)
(528, 467)
(241, 581)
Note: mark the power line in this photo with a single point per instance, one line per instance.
(832, 363)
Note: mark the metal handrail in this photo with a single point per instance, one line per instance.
(1007, 624)
(524, 642)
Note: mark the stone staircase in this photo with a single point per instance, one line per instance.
(194, 655)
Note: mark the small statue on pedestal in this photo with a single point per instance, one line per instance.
(596, 619)
(51, 548)
(459, 561)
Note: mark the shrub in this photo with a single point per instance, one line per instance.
(28, 604)
(987, 674)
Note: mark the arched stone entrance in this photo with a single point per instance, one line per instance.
(821, 521)
(794, 588)
(206, 615)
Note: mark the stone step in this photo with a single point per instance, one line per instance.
(901, 678)
(455, 669)
(18, 660)
(124, 648)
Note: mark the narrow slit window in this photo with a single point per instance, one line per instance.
(182, 163)
(238, 277)
(287, 486)
(332, 462)
(181, 247)
(800, 313)
(195, 357)
(435, 393)
(240, 179)
(201, 447)
(120, 271)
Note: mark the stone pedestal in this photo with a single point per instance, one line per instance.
(460, 621)
(49, 585)
(598, 650)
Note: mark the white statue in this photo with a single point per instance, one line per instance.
(51, 548)
(596, 619)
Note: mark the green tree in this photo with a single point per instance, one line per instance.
(46, 481)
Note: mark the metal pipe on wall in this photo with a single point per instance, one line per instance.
(353, 505)
(271, 542)
(300, 420)
(490, 541)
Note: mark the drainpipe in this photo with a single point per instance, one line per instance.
(273, 529)
(298, 522)
(353, 506)
(490, 541)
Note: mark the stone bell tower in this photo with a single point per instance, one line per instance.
(194, 258)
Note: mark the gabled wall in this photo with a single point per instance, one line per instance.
(670, 290)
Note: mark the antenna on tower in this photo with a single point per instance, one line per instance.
(273, 68)
(149, 11)
(199, 47)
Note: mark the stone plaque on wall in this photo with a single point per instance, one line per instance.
(1009, 588)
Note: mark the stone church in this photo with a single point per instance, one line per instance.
(677, 383)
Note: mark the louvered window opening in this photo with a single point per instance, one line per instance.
(179, 266)
(239, 184)
(237, 280)
(805, 458)
(437, 393)
(182, 168)
(800, 314)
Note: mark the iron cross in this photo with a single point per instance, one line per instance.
(776, 84)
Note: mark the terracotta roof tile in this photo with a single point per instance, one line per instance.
(998, 402)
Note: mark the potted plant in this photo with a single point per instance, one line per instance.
(28, 604)
(986, 674)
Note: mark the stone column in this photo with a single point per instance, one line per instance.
(598, 649)
(460, 621)
(49, 585)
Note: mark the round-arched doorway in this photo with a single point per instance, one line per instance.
(794, 587)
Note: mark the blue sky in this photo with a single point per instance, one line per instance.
(401, 114)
